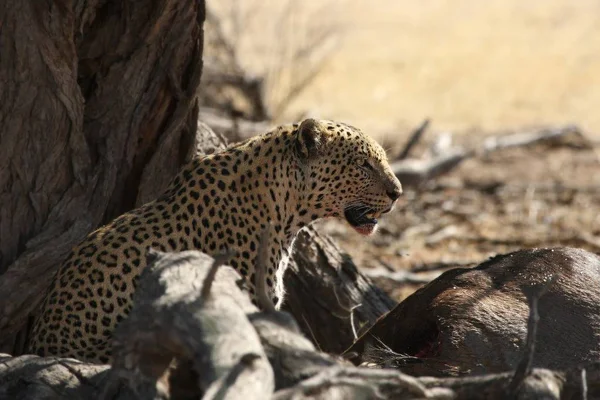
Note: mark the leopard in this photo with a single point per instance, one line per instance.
(284, 179)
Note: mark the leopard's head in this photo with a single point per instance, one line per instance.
(347, 173)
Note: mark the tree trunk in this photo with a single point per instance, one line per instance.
(98, 110)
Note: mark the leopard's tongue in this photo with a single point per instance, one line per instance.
(366, 229)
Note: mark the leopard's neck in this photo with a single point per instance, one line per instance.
(260, 178)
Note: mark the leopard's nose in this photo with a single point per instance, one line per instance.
(394, 194)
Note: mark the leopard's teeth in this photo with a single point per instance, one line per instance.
(373, 215)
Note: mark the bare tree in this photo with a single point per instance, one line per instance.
(260, 78)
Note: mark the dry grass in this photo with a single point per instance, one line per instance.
(474, 66)
(468, 64)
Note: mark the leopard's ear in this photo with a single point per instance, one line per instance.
(310, 139)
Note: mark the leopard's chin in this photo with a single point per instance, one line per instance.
(362, 218)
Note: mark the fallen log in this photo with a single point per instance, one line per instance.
(414, 172)
(181, 315)
(51, 378)
(189, 336)
(292, 356)
(544, 135)
(361, 384)
(33, 377)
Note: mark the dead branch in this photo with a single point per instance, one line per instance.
(219, 260)
(292, 356)
(297, 87)
(56, 379)
(219, 40)
(584, 388)
(295, 54)
(545, 135)
(540, 384)
(32, 377)
(340, 382)
(415, 172)
(414, 139)
(442, 265)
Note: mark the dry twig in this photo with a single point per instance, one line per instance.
(414, 138)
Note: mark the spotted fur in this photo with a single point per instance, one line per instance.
(288, 177)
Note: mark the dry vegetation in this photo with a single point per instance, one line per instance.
(535, 196)
(476, 68)
(274, 50)
(469, 64)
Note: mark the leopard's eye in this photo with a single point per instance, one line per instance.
(364, 163)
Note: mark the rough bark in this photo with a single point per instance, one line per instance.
(186, 311)
(98, 111)
(33, 377)
(179, 342)
(292, 356)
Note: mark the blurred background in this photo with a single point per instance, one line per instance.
(483, 72)
(468, 64)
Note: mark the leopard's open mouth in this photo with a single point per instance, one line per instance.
(363, 218)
